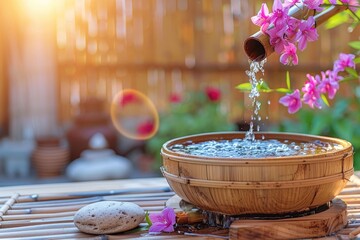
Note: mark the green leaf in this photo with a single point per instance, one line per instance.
(357, 60)
(147, 219)
(264, 86)
(337, 20)
(352, 72)
(283, 90)
(348, 78)
(138, 229)
(244, 87)
(288, 80)
(324, 98)
(355, 44)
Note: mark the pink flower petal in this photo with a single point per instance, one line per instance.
(156, 217)
(169, 228)
(157, 227)
(292, 101)
(169, 215)
(163, 222)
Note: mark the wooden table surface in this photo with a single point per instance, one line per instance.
(46, 211)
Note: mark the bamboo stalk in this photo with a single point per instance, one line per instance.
(88, 187)
(46, 210)
(61, 203)
(74, 195)
(39, 211)
(352, 210)
(37, 216)
(354, 233)
(67, 201)
(39, 232)
(4, 200)
(31, 222)
(353, 206)
(56, 196)
(354, 181)
(348, 196)
(350, 191)
(67, 236)
(354, 214)
(37, 227)
(8, 205)
(75, 207)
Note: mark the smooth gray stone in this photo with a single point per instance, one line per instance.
(108, 217)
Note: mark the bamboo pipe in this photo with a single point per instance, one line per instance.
(257, 47)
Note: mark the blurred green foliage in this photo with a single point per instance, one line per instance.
(341, 120)
(350, 17)
(196, 113)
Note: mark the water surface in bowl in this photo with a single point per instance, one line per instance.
(244, 148)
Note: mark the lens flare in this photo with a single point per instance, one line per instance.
(134, 115)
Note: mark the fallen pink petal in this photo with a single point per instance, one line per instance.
(163, 222)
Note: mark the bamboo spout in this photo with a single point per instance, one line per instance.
(257, 47)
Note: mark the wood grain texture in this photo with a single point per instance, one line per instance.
(271, 185)
(55, 199)
(317, 225)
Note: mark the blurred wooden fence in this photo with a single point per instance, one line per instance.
(163, 46)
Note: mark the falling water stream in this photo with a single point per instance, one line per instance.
(255, 68)
(249, 147)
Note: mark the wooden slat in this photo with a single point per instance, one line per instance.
(53, 209)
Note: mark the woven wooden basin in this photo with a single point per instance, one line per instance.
(271, 185)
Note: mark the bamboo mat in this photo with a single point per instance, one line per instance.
(46, 211)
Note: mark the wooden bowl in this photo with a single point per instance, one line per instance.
(269, 185)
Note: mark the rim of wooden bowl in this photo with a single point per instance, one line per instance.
(333, 155)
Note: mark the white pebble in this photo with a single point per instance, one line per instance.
(108, 217)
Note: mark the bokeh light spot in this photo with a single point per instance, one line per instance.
(134, 115)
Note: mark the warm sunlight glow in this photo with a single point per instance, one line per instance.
(38, 6)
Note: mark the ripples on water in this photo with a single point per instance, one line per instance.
(244, 148)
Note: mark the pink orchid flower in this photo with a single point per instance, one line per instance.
(311, 92)
(329, 83)
(290, 3)
(292, 101)
(277, 40)
(292, 29)
(314, 4)
(344, 61)
(353, 4)
(307, 32)
(289, 55)
(279, 15)
(162, 222)
(262, 18)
